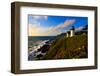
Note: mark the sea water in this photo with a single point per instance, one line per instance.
(36, 42)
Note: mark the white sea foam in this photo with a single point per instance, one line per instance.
(39, 44)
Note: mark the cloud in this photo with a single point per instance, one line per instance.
(37, 30)
(62, 25)
(40, 17)
(67, 23)
(79, 28)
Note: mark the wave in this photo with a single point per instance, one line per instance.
(34, 50)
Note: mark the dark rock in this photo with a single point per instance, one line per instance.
(40, 55)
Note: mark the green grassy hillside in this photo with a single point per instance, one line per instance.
(68, 48)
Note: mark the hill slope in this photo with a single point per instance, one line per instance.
(67, 48)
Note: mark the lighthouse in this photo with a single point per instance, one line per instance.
(72, 31)
(68, 34)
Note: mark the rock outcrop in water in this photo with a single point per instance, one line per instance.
(40, 51)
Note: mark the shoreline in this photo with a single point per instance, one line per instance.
(40, 50)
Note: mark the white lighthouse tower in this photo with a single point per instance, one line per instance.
(68, 34)
(72, 31)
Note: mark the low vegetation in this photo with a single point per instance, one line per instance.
(68, 48)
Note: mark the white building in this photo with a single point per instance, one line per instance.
(71, 32)
(68, 34)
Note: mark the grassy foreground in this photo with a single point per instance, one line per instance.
(68, 48)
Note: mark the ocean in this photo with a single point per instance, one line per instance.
(36, 42)
(32, 40)
(35, 38)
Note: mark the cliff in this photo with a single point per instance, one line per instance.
(68, 48)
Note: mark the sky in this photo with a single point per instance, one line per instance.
(54, 25)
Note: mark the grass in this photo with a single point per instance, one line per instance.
(68, 48)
